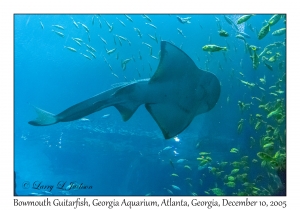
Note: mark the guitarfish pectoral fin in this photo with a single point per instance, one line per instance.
(170, 118)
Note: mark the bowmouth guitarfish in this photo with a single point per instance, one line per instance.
(176, 93)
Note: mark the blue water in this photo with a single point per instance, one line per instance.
(112, 157)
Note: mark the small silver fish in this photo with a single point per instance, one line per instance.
(138, 31)
(103, 40)
(175, 187)
(91, 53)
(87, 57)
(42, 25)
(147, 44)
(77, 39)
(70, 48)
(154, 38)
(184, 20)
(91, 48)
(85, 27)
(115, 75)
(129, 18)
(181, 160)
(151, 25)
(106, 116)
(145, 16)
(121, 37)
(58, 26)
(121, 22)
(180, 31)
(167, 148)
(110, 51)
(75, 22)
(59, 33)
